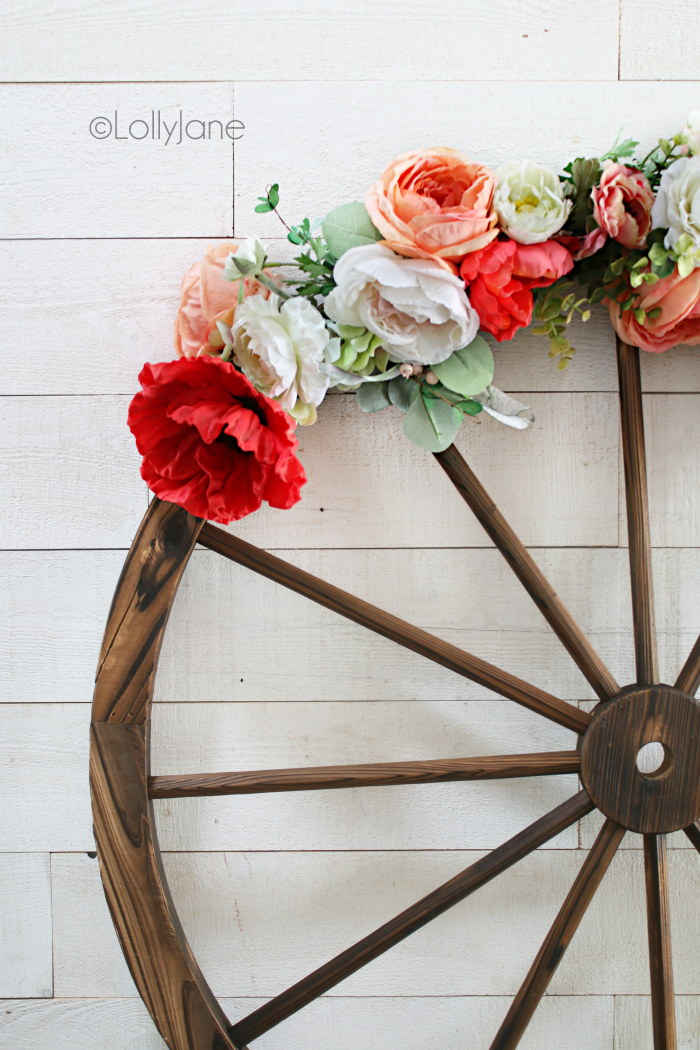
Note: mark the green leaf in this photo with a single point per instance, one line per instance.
(264, 207)
(550, 310)
(273, 196)
(373, 397)
(348, 226)
(433, 429)
(469, 370)
(471, 408)
(402, 392)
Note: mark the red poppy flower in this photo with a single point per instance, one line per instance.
(500, 277)
(211, 443)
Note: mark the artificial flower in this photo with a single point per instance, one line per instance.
(279, 345)
(622, 204)
(420, 311)
(211, 442)
(434, 203)
(677, 204)
(530, 202)
(677, 298)
(248, 261)
(206, 297)
(499, 279)
(692, 131)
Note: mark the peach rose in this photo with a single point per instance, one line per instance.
(679, 320)
(434, 204)
(622, 204)
(206, 297)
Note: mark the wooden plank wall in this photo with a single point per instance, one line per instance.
(95, 236)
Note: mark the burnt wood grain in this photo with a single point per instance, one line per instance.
(659, 930)
(633, 450)
(392, 627)
(410, 920)
(154, 945)
(559, 937)
(689, 678)
(528, 572)
(666, 800)
(374, 774)
(693, 833)
(139, 613)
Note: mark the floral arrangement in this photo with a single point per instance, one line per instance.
(387, 298)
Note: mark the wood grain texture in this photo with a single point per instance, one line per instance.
(154, 945)
(663, 801)
(653, 48)
(26, 969)
(139, 614)
(410, 920)
(132, 183)
(137, 41)
(632, 418)
(199, 785)
(689, 677)
(530, 575)
(659, 929)
(693, 834)
(559, 937)
(393, 628)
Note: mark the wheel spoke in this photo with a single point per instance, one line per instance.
(375, 774)
(632, 418)
(392, 627)
(447, 895)
(530, 575)
(559, 937)
(689, 678)
(693, 833)
(659, 929)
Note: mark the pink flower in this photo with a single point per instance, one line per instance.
(206, 297)
(679, 320)
(592, 243)
(434, 204)
(622, 203)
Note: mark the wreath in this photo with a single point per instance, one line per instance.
(387, 299)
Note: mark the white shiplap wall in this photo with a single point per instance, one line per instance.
(94, 238)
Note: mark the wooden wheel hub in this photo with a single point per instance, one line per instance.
(658, 802)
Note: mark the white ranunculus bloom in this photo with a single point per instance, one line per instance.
(419, 309)
(677, 203)
(530, 201)
(280, 348)
(248, 261)
(692, 130)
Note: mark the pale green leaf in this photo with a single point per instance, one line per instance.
(467, 371)
(373, 397)
(348, 226)
(434, 432)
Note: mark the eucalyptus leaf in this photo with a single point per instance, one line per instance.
(505, 408)
(348, 226)
(469, 370)
(401, 392)
(373, 397)
(351, 379)
(433, 428)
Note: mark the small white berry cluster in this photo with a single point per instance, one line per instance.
(408, 370)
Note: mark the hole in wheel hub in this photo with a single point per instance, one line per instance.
(640, 759)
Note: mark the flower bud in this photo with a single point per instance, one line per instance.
(248, 261)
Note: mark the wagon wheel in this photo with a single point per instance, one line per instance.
(609, 740)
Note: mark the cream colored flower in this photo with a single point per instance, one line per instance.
(677, 202)
(280, 348)
(530, 202)
(420, 310)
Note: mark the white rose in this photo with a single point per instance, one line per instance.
(692, 130)
(530, 201)
(247, 262)
(419, 309)
(677, 203)
(280, 348)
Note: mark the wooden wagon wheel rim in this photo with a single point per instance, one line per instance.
(161, 962)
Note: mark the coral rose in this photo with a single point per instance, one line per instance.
(622, 203)
(206, 297)
(434, 204)
(679, 321)
(211, 443)
(500, 278)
